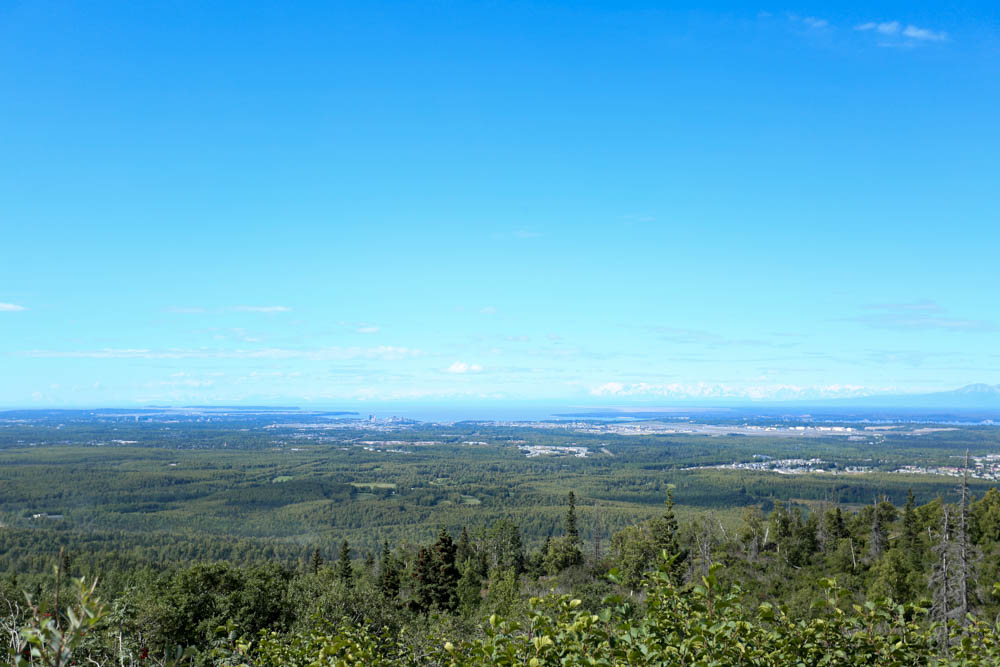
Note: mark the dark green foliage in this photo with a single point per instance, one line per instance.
(985, 520)
(502, 547)
(764, 607)
(664, 535)
(345, 571)
(436, 575)
(211, 552)
(388, 574)
(315, 561)
(572, 532)
(465, 551)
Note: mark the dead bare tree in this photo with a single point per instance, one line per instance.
(597, 533)
(879, 535)
(951, 577)
(752, 537)
(964, 549)
(943, 601)
(10, 624)
(705, 540)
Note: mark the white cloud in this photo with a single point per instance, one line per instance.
(809, 21)
(913, 32)
(262, 309)
(707, 390)
(462, 367)
(488, 310)
(382, 352)
(10, 308)
(368, 329)
(885, 28)
(608, 389)
(191, 310)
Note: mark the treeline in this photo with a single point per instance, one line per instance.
(660, 591)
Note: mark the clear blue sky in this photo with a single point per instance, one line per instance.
(608, 202)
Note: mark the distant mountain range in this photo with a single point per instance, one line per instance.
(970, 397)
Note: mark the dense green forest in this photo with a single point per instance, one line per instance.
(884, 585)
(264, 543)
(252, 490)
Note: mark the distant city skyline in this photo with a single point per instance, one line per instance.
(577, 204)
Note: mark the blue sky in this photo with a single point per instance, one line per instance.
(587, 202)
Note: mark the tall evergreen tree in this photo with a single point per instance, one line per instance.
(879, 536)
(446, 571)
(911, 534)
(344, 570)
(836, 526)
(465, 551)
(436, 575)
(664, 528)
(911, 531)
(316, 561)
(572, 532)
(597, 535)
(664, 531)
(424, 580)
(388, 573)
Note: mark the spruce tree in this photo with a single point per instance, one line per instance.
(437, 575)
(388, 573)
(664, 532)
(446, 574)
(572, 532)
(837, 526)
(664, 528)
(597, 535)
(424, 583)
(879, 536)
(911, 534)
(316, 561)
(465, 551)
(344, 570)
(910, 528)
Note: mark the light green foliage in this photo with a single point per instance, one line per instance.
(708, 624)
(633, 548)
(53, 636)
(562, 554)
(986, 517)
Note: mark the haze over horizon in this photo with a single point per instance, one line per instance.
(603, 203)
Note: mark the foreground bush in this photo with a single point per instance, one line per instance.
(706, 625)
